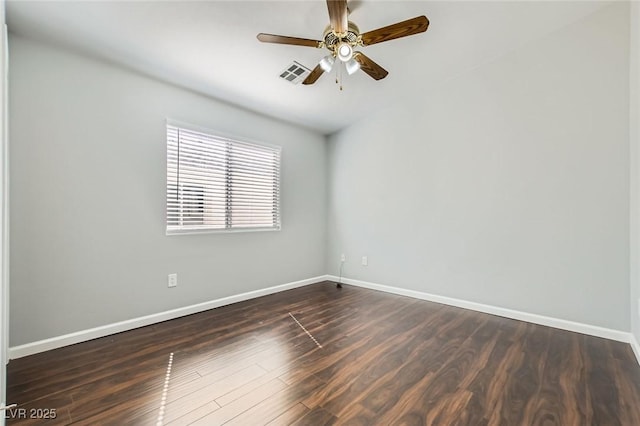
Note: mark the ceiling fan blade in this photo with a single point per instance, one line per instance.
(314, 76)
(367, 65)
(272, 38)
(338, 15)
(397, 30)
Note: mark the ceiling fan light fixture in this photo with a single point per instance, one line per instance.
(326, 63)
(342, 36)
(344, 51)
(352, 66)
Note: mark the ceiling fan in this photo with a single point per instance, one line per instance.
(342, 37)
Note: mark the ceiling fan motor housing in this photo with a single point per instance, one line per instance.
(351, 37)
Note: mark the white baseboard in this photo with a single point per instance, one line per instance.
(94, 333)
(636, 347)
(105, 330)
(592, 330)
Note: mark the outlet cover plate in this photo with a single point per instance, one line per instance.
(173, 280)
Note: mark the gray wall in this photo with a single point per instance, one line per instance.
(508, 185)
(634, 129)
(88, 173)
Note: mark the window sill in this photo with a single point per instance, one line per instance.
(172, 232)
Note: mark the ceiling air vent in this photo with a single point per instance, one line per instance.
(295, 73)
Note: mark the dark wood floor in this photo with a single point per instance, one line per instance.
(384, 359)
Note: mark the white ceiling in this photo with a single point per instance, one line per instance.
(211, 46)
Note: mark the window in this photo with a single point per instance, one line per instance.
(216, 183)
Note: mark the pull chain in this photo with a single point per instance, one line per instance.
(339, 75)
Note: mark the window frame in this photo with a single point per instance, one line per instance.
(229, 138)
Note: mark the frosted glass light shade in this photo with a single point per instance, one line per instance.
(352, 66)
(326, 63)
(345, 52)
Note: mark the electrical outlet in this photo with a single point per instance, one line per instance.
(365, 260)
(173, 280)
(343, 257)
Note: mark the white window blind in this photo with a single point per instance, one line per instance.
(215, 183)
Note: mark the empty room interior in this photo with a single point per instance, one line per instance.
(320, 212)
